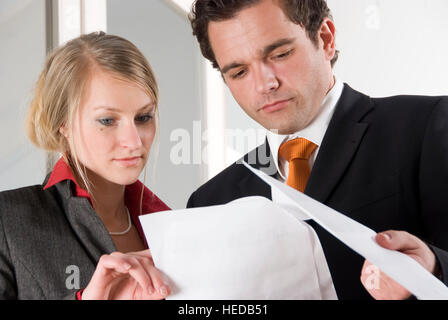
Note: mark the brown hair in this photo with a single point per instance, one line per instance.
(61, 85)
(309, 14)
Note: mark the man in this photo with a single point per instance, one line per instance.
(382, 162)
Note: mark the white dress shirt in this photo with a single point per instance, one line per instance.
(315, 133)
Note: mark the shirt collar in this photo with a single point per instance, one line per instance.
(133, 193)
(61, 171)
(315, 131)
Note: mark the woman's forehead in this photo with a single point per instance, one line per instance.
(107, 91)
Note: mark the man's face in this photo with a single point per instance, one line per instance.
(274, 71)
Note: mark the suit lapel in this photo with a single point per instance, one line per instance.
(261, 159)
(86, 224)
(340, 143)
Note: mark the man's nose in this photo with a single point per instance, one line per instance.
(265, 79)
(130, 136)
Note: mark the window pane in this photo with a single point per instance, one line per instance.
(164, 36)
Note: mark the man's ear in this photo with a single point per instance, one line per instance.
(327, 37)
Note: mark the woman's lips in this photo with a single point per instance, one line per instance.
(128, 162)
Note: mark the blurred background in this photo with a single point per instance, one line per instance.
(387, 47)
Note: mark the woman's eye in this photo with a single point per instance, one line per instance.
(144, 118)
(106, 121)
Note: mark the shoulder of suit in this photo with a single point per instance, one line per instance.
(26, 201)
(230, 176)
(411, 101)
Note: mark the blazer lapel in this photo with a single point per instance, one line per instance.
(341, 140)
(86, 224)
(261, 159)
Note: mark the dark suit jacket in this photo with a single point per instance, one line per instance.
(382, 162)
(43, 234)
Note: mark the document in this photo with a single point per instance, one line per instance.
(252, 248)
(398, 266)
(247, 249)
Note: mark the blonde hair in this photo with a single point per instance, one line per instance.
(61, 86)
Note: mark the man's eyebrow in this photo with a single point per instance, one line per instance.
(268, 49)
(108, 108)
(265, 51)
(230, 66)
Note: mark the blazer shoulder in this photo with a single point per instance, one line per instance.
(417, 103)
(228, 178)
(16, 203)
(224, 187)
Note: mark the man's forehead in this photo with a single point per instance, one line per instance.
(234, 38)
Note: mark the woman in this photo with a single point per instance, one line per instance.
(78, 235)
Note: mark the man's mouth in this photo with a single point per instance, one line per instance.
(275, 106)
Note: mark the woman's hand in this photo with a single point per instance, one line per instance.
(130, 276)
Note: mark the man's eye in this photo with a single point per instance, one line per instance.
(283, 55)
(239, 74)
(106, 121)
(144, 118)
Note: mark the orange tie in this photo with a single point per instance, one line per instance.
(297, 152)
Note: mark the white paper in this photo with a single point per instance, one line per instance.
(403, 269)
(247, 249)
(320, 262)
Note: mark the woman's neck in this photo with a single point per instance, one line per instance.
(108, 199)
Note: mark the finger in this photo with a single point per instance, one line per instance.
(115, 263)
(397, 240)
(134, 268)
(156, 277)
(144, 253)
(141, 275)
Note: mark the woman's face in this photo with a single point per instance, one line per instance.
(114, 128)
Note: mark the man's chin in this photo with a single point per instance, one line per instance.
(284, 130)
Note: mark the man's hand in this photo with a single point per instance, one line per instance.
(383, 287)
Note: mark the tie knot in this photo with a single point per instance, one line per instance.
(299, 148)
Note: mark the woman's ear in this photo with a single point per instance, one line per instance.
(63, 130)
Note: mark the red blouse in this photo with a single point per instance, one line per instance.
(151, 203)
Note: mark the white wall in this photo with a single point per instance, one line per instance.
(22, 56)
(391, 47)
(164, 36)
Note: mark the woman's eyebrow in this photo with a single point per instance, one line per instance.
(109, 108)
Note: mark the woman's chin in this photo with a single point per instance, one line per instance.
(124, 179)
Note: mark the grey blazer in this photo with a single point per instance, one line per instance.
(50, 242)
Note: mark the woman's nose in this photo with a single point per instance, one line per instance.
(130, 137)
